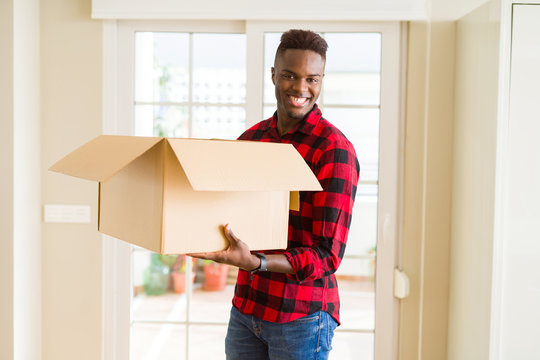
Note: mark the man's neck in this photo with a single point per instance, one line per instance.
(286, 123)
(284, 127)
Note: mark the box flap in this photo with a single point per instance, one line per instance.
(213, 165)
(131, 201)
(103, 156)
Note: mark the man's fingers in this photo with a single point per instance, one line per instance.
(230, 234)
(208, 255)
(198, 255)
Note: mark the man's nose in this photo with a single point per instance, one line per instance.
(300, 85)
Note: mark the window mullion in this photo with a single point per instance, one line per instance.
(189, 287)
(190, 90)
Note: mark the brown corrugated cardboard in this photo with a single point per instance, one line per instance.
(172, 196)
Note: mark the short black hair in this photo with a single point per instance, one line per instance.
(303, 40)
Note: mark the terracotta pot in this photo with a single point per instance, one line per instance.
(179, 281)
(215, 276)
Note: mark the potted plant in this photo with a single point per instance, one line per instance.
(178, 275)
(156, 277)
(215, 275)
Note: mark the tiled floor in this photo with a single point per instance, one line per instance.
(207, 310)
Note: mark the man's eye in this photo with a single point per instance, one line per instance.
(287, 76)
(311, 80)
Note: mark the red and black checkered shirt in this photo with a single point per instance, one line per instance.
(317, 232)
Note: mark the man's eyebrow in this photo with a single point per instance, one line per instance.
(292, 72)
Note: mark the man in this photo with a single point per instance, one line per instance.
(286, 303)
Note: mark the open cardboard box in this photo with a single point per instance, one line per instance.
(172, 196)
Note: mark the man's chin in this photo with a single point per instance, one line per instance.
(297, 115)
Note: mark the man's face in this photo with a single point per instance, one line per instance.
(297, 76)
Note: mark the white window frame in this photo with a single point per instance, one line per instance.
(117, 119)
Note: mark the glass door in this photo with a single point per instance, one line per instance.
(179, 79)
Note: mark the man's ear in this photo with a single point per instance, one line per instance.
(273, 75)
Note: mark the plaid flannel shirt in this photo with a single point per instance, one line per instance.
(317, 232)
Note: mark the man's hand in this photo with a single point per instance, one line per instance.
(237, 254)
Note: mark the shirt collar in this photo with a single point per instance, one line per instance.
(306, 126)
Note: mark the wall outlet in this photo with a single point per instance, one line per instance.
(79, 214)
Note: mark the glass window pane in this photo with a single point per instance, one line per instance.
(363, 232)
(342, 88)
(170, 121)
(361, 127)
(219, 78)
(159, 286)
(207, 342)
(353, 52)
(353, 63)
(161, 67)
(213, 292)
(158, 341)
(141, 261)
(357, 293)
(167, 306)
(352, 346)
(268, 112)
(219, 122)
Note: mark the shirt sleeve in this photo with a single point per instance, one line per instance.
(337, 170)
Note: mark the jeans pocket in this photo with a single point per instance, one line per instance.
(308, 318)
(330, 325)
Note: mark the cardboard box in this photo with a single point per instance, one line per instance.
(172, 196)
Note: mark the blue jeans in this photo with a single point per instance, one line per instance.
(249, 338)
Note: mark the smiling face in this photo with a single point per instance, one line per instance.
(297, 76)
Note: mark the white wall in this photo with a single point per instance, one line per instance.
(6, 180)
(452, 10)
(71, 115)
(477, 46)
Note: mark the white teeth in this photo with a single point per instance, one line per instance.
(298, 100)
